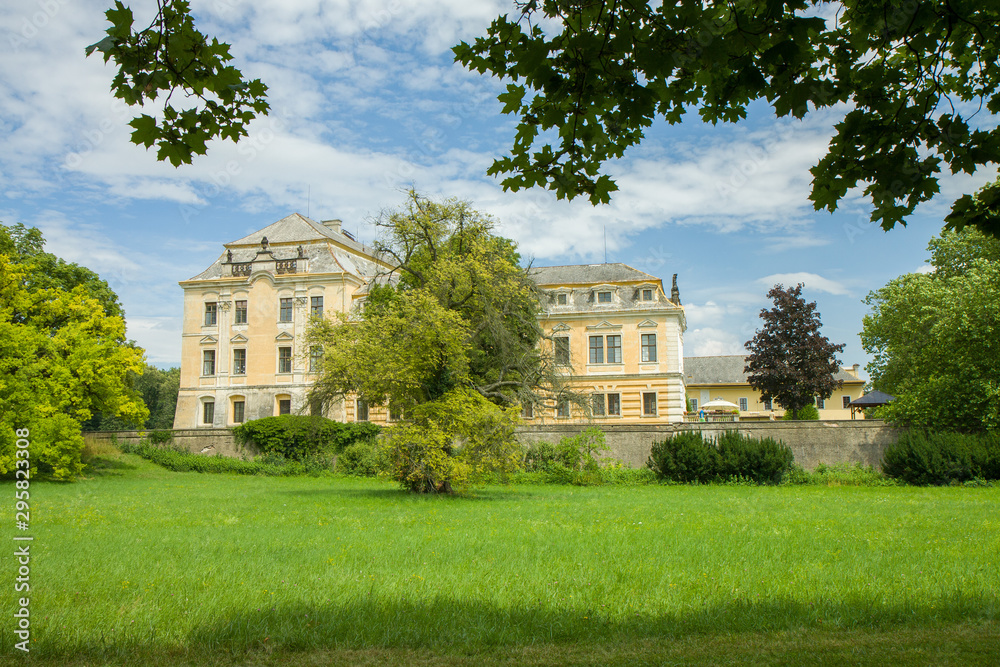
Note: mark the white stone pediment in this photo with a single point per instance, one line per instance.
(647, 324)
(560, 327)
(238, 338)
(284, 335)
(209, 340)
(604, 325)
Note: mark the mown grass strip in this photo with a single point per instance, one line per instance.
(141, 561)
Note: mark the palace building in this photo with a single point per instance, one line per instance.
(618, 335)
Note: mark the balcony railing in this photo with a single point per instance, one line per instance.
(243, 269)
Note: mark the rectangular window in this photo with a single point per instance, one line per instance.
(240, 313)
(604, 297)
(561, 299)
(239, 362)
(693, 403)
(648, 347)
(208, 412)
(238, 412)
(596, 350)
(820, 403)
(561, 345)
(208, 362)
(847, 402)
(316, 306)
(211, 311)
(284, 406)
(315, 358)
(614, 349)
(285, 312)
(647, 295)
(527, 411)
(284, 360)
(649, 403)
(614, 405)
(361, 414)
(744, 405)
(395, 413)
(767, 404)
(562, 408)
(597, 405)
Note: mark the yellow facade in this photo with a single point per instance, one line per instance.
(245, 317)
(624, 337)
(615, 333)
(722, 377)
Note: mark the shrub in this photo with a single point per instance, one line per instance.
(742, 457)
(689, 457)
(685, 457)
(807, 412)
(160, 436)
(942, 457)
(272, 464)
(298, 437)
(453, 441)
(539, 456)
(579, 452)
(364, 458)
(58, 446)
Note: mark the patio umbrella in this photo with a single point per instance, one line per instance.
(719, 404)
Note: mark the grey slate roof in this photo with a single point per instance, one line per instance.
(297, 228)
(872, 399)
(588, 274)
(315, 239)
(728, 369)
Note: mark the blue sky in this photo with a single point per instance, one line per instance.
(367, 102)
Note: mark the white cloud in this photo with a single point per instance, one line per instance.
(810, 280)
(710, 342)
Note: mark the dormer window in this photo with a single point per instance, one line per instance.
(561, 299)
(604, 297)
(647, 294)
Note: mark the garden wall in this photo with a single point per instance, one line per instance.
(199, 440)
(812, 442)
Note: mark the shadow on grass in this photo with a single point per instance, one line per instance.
(102, 466)
(395, 492)
(448, 626)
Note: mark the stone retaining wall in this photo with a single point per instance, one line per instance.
(812, 442)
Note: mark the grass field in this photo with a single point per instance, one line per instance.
(138, 564)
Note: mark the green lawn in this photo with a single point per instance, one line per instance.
(183, 568)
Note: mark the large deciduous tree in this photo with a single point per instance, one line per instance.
(789, 360)
(170, 56)
(63, 354)
(935, 337)
(588, 76)
(452, 328)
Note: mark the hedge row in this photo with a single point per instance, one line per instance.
(178, 460)
(299, 437)
(688, 457)
(936, 458)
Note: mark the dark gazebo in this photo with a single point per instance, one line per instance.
(870, 400)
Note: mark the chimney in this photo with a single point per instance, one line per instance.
(333, 225)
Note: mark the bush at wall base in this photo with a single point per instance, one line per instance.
(689, 457)
(943, 457)
(298, 436)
